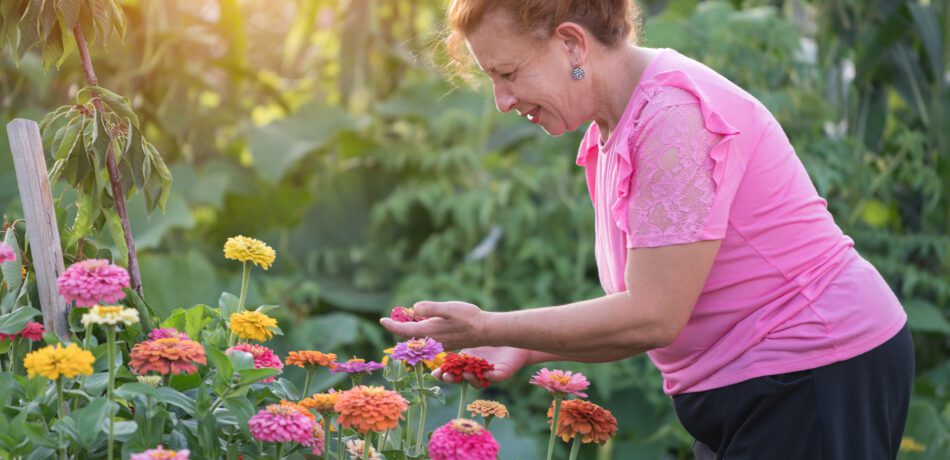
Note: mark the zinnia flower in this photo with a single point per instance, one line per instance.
(370, 408)
(356, 366)
(33, 331)
(167, 332)
(161, 454)
(281, 423)
(586, 419)
(415, 350)
(7, 254)
(487, 408)
(306, 358)
(54, 361)
(253, 325)
(355, 449)
(462, 439)
(169, 355)
(405, 315)
(317, 440)
(92, 281)
(436, 363)
(110, 316)
(247, 249)
(458, 364)
(322, 402)
(561, 383)
(263, 357)
(150, 380)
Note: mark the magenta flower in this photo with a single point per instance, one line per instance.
(32, 331)
(263, 357)
(93, 281)
(462, 439)
(405, 315)
(167, 333)
(281, 423)
(317, 441)
(415, 351)
(561, 383)
(161, 454)
(7, 254)
(357, 366)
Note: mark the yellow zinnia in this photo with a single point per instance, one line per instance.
(247, 249)
(436, 363)
(53, 361)
(253, 325)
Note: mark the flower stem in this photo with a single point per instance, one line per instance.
(367, 444)
(327, 441)
(13, 345)
(575, 447)
(422, 406)
(488, 421)
(339, 437)
(557, 412)
(308, 382)
(110, 336)
(245, 280)
(62, 416)
(279, 451)
(220, 400)
(462, 401)
(385, 438)
(407, 432)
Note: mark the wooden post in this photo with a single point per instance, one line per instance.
(33, 182)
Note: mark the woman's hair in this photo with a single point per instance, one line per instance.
(611, 22)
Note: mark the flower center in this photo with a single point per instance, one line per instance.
(109, 310)
(356, 360)
(168, 340)
(416, 344)
(562, 379)
(467, 427)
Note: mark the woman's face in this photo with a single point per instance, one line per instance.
(531, 76)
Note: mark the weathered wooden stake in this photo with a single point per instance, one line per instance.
(33, 182)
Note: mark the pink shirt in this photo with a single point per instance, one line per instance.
(695, 157)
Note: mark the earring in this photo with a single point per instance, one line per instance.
(577, 73)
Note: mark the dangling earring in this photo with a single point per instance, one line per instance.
(577, 72)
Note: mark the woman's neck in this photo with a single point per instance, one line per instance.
(612, 94)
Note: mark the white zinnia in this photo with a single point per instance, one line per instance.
(110, 316)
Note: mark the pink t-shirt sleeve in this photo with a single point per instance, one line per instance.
(672, 190)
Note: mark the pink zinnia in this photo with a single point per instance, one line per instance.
(160, 454)
(462, 439)
(263, 357)
(167, 333)
(317, 441)
(415, 351)
(281, 423)
(356, 366)
(93, 281)
(561, 383)
(405, 315)
(32, 331)
(7, 254)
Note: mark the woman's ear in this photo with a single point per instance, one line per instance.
(575, 40)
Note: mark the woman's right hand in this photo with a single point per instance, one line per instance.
(507, 361)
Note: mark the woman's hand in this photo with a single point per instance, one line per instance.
(507, 361)
(453, 324)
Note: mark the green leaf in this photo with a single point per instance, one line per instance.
(241, 360)
(89, 420)
(69, 9)
(195, 321)
(219, 361)
(249, 376)
(14, 321)
(242, 409)
(176, 398)
(13, 270)
(228, 303)
(132, 389)
(923, 316)
(185, 382)
(38, 435)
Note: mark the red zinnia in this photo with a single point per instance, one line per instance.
(458, 364)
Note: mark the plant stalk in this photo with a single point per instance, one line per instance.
(462, 401)
(422, 407)
(62, 416)
(557, 412)
(575, 447)
(110, 348)
(245, 280)
(367, 444)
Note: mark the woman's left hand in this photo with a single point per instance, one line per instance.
(453, 324)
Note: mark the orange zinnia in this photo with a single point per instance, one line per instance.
(306, 358)
(321, 402)
(300, 408)
(586, 419)
(370, 408)
(168, 355)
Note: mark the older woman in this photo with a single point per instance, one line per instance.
(717, 256)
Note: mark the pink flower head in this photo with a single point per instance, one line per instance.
(356, 366)
(281, 423)
(32, 331)
(415, 351)
(167, 333)
(317, 441)
(561, 382)
(160, 454)
(93, 281)
(7, 254)
(462, 439)
(405, 315)
(263, 357)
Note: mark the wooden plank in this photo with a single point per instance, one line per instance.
(37, 200)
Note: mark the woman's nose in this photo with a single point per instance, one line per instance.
(504, 100)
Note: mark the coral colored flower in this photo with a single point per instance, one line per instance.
(150, 380)
(405, 315)
(54, 361)
(317, 440)
(370, 408)
(584, 418)
(247, 249)
(263, 357)
(561, 383)
(7, 254)
(167, 332)
(436, 363)
(458, 364)
(110, 316)
(169, 355)
(355, 449)
(322, 402)
(281, 423)
(356, 366)
(161, 454)
(32, 331)
(303, 410)
(92, 281)
(462, 439)
(306, 358)
(253, 325)
(414, 351)
(487, 408)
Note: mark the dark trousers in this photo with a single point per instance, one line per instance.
(852, 409)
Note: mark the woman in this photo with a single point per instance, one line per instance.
(775, 338)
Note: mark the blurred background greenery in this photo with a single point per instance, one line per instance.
(326, 129)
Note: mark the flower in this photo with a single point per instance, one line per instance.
(247, 249)
(303, 410)
(487, 408)
(909, 444)
(110, 316)
(150, 380)
(458, 364)
(92, 281)
(7, 254)
(167, 332)
(370, 408)
(306, 358)
(32, 331)
(322, 402)
(436, 363)
(253, 325)
(281, 423)
(160, 454)
(405, 315)
(263, 357)
(462, 439)
(168, 355)
(55, 361)
(317, 440)
(579, 417)
(355, 449)
(561, 383)
(414, 351)
(356, 366)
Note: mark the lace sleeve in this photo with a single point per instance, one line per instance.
(672, 189)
